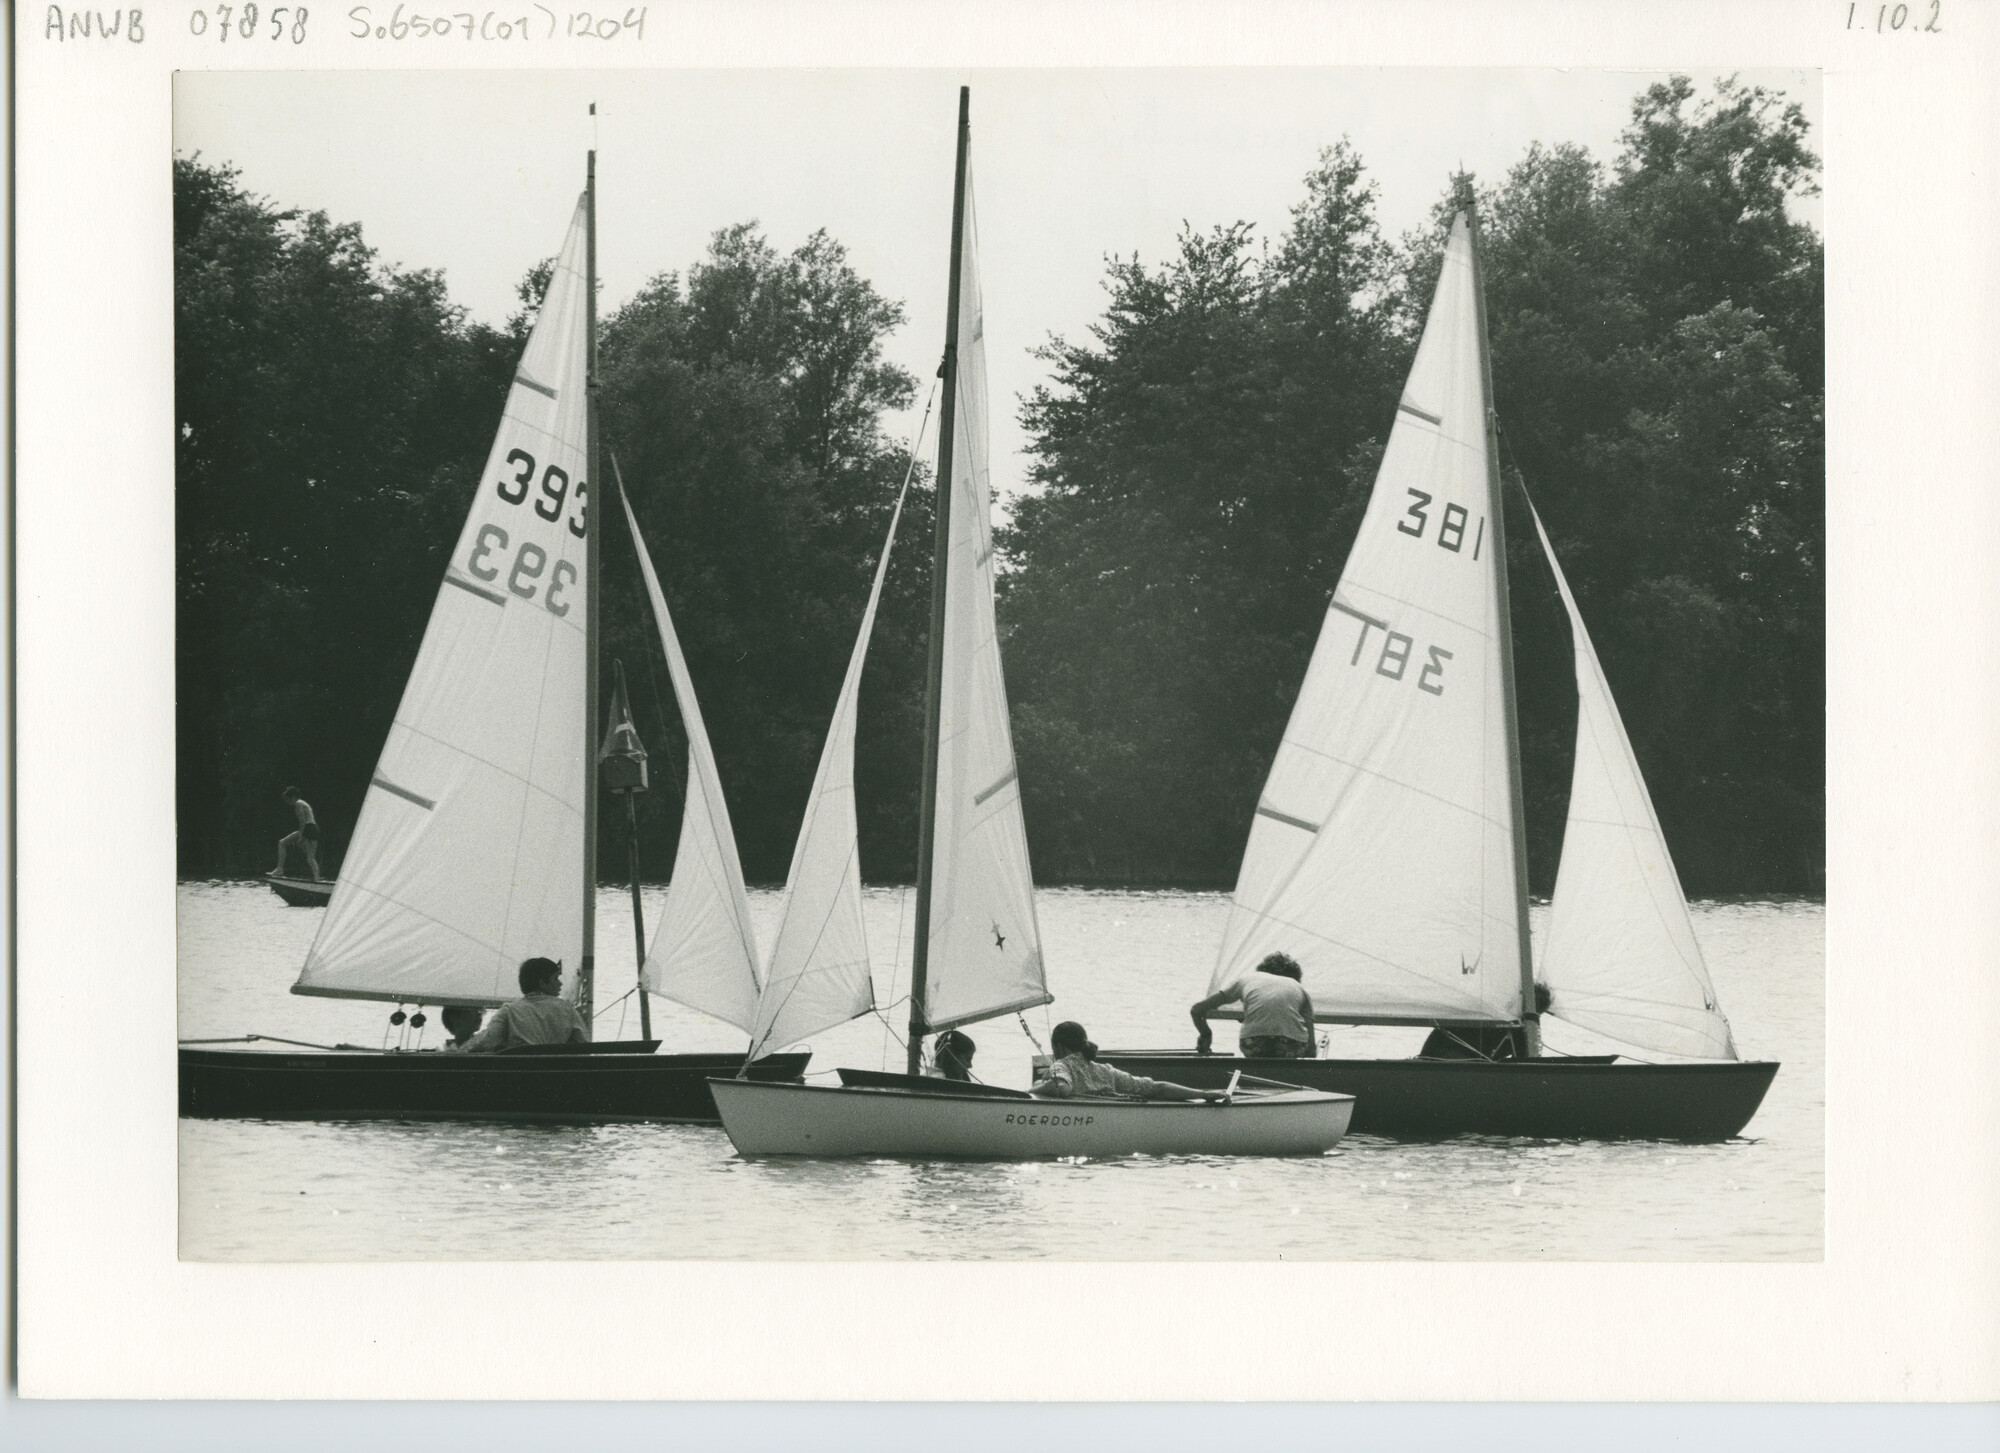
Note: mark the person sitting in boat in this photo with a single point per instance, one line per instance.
(952, 1056)
(1074, 1071)
(1482, 1043)
(1277, 1012)
(305, 836)
(538, 1017)
(463, 1021)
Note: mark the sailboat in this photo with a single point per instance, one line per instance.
(475, 847)
(977, 952)
(1387, 853)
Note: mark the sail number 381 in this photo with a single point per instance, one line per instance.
(1451, 527)
(1394, 660)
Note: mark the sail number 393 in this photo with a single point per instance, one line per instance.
(531, 562)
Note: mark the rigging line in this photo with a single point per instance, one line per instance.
(264, 1039)
(895, 967)
(614, 1004)
(889, 1028)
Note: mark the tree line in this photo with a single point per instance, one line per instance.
(1199, 466)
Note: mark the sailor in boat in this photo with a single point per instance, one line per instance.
(305, 836)
(539, 1016)
(1277, 1012)
(952, 1056)
(1074, 1071)
(1483, 1043)
(463, 1021)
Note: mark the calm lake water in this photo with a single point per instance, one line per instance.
(1126, 964)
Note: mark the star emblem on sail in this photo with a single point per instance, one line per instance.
(979, 872)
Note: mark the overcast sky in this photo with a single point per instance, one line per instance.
(475, 172)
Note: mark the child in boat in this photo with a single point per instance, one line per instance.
(1277, 1012)
(952, 1057)
(1074, 1071)
(537, 1017)
(305, 836)
(463, 1022)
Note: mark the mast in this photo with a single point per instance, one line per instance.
(1530, 1020)
(587, 970)
(940, 557)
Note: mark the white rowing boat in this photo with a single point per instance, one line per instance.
(832, 1120)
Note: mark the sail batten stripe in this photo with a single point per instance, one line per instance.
(530, 784)
(1405, 406)
(541, 388)
(1340, 605)
(1287, 819)
(427, 804)
(452, 578)
(1008, 776)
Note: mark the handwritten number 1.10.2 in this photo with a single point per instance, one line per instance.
(1895, 17)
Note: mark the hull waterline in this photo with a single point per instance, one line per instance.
(828, 1120)
(1430, 1099)
(587, 1088)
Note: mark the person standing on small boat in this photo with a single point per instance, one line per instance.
(952, 1056)
(539, 1016)
(305, 836)
(1277, 1012)
(1074, 1070)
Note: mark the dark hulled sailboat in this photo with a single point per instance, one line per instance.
(1387, 853)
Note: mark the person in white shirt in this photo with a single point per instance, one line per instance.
(1277, 1012)
(1074, 1071)
(539, 1016)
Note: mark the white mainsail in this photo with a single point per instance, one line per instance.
(985, 952)
(1621, 958)
(1382, 853)
(819, 973)
(703, 953)
(468, 854)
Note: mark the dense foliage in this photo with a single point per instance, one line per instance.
(334, 417)
(1200, 465)
(1204, 458)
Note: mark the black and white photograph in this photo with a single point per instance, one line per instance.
(1336, 775)
(1147, 724)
